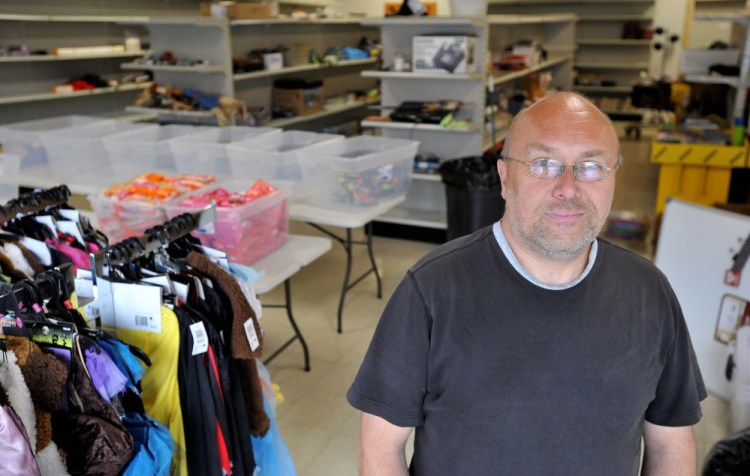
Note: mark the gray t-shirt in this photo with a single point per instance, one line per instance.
(502, 376)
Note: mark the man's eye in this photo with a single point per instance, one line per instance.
(545, 162)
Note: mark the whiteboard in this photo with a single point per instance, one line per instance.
(696, 249)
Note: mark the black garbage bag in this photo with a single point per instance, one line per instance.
(472, 192)
(730, 456)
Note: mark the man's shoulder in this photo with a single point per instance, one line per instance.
(625, 258)
(460, 250)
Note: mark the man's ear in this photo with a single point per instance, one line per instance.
(502, 171)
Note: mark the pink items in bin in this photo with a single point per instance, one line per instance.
(128, 209)
(251, 222)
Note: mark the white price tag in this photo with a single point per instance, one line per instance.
(72, 229)
(181, 291)
(252, 336)
(72, 215)
(200, 338)
(161, 280)
(39, 248)
(84, 288)
(47, 221)
(137, 306)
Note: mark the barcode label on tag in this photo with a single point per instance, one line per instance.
(141, 321)
(200, 338)
(252, 336)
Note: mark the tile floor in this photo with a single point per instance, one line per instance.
(317, 424)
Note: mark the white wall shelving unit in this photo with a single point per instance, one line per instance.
(339, 79)
(219, 40)
(166, 25)
(600, 48)
(742, 82)
(27, 81)
(425, 205)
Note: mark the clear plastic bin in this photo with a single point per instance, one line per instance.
(357, 172)
(275, 157)
(139, 151)
(74, 149)
(248, 232)
(22, 138)
(9, 176)
(206, 152)
(120, 219)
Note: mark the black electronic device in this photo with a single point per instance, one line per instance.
(448, 58)
(432, 112)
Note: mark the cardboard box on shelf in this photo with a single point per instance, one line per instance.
(301, 97)
(240, 10)
(444, 54)
(297, 54)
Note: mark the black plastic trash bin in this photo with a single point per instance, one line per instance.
(472, 193)
(730, 456)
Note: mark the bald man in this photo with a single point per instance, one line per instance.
(533, 347)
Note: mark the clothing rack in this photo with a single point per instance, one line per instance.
(45, 286)
(154, 238)
(34, 202)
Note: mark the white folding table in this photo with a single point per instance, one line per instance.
(279, 267)
(319, 218)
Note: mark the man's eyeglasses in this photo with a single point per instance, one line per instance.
(586, 171)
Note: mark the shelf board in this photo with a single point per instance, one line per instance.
(329, 111)
(506, 76)
(614, 42)
(530, 19)
(72, 18)
(733, 81)
(738, 16)
(415, 217)
(192, 20)
(419, 127)
(47, 58)
(201, 116)
(295, 21)
(54, 96)
(603, 89)
(606, 18)
(610, 66)
(411, 75)
(206, 68)
(408, 21)
(301, 68)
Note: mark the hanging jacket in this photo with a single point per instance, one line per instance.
(240, 350)
(15, 448)
(91, 433)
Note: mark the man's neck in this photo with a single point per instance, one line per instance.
(545, 270)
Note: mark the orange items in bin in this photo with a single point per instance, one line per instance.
(157, 187)
(128, 209)
(250, 222)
